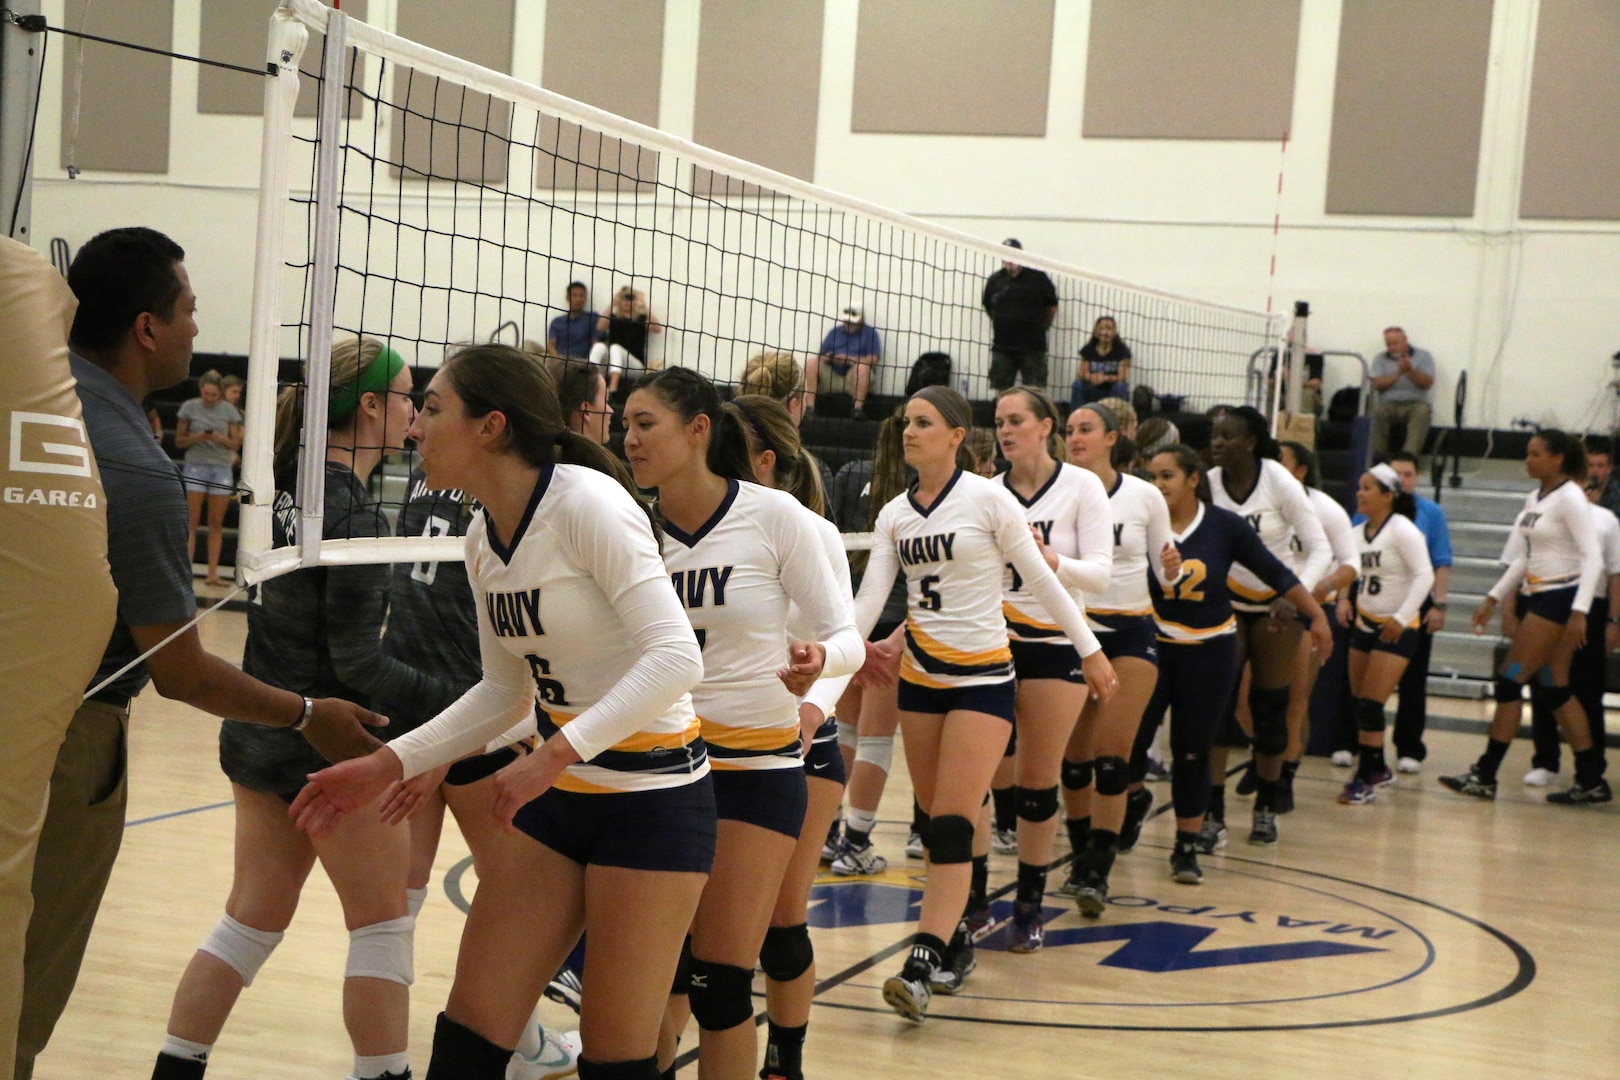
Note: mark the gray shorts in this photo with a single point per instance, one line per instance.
(208, 479)
(1007, 364)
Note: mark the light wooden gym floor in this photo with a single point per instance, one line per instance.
(1425, 935)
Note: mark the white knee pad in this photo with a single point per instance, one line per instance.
(846, 735)
(241, 948)
(875, 750)
(383, 951)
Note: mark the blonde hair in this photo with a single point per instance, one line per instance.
(773, 375)
(979, 446)
(1124, 412)
(350, 356)
(210, 378)
(768, 426)
(229, 381)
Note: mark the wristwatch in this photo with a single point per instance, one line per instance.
(309, 711)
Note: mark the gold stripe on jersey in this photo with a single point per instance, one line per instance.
(567, 782)
(1244, 592)
(911, 673)
(1128, 613)
(1174, 631)
(947, 655)
(642, 742)
(1539, 584)
(1018, 620)
(725, 737)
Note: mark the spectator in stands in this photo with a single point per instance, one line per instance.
(1105, 366)
(848, 354)
(624, 329)
(1404, 378)
(153, 420)
(574, 331)
(230, 387)
(1022, 305)
(1414, 685)
(210, 432)
(1600, 472)
(777, 375)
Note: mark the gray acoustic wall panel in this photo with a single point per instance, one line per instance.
(123, 104)
(1188, 69)
(1408, 105)
(443, 130)
(953, 67)
(238, 32)
(1572, 147)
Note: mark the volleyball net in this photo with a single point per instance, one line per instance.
(433, 203)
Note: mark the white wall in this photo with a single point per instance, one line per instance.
(1531, 309)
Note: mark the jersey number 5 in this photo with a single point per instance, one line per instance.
(930, 599)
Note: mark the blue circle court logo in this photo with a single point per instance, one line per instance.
(1257, 947)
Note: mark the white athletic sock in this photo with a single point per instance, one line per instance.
(185, 1049)
(414, 899)
(530, 1042)
(366, 1068)
(860, 820)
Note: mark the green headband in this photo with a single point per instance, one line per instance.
(375, 378)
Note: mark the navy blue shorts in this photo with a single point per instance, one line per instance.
(471, 770)
(996, 699)
(1128, 635)
(773, 799)
(1038, 660)
(1554, 605)
(825, 761)
(1364, 638)
(667, 829)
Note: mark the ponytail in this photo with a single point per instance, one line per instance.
(769, 427)
(351, 356)
(689, 395)
(499, 378)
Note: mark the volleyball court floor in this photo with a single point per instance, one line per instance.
(1424, 935)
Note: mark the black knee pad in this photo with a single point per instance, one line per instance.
(950, 839)
(1189, 783)
(1507, 690)
(787, 952)
(722, 994)
(683, 970)
(458, 1050)
(645, 1069)
(1111, 775)
(1269, 708)
(1554, 697)
(1037, 804)
(1369, 715)
(1076, 775)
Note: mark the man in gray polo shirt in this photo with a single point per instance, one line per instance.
(1403, 378)
(132, 335)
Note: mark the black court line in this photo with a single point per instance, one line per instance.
(177, 813)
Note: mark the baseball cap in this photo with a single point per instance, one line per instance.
(1012, 241)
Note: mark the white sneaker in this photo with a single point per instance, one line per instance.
(914, 846)
(1343, 758)
(854, 862)
(1539, 778)
(1409, 765)
(558, 1056)
(1003, 841)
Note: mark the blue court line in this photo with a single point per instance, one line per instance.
(177, 813)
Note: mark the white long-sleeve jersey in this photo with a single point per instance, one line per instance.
(1341, 536)
(1141, 524)
(736, 576)
(1606, 529)
(825, 692)
(1278, 510)
(575, 612)
(953, 553)
(1395, 573)
(1071, 513)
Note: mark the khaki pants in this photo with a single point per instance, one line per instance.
(1416, 415)
(84, 826)
(56, 594)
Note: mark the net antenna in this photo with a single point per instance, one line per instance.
(430, 199)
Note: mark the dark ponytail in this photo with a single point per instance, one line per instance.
(1305, 458)
(769, 427)
(1568, 447)
(689, 395)
(1404, 503)
(499, 378)
(1188, 461)
(1264, 445)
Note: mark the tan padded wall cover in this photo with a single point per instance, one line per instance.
(475, 30)
(1174, 69)
(1572, 147)
(124, 112)
(1408, 106)
(238, 32)
(953, 67)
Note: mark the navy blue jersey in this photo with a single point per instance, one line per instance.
(1199, 606)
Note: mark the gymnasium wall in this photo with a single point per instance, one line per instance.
(1449, 165)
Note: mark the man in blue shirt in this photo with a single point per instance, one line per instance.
(573, 332)
(844, 366)
(1414, 686)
